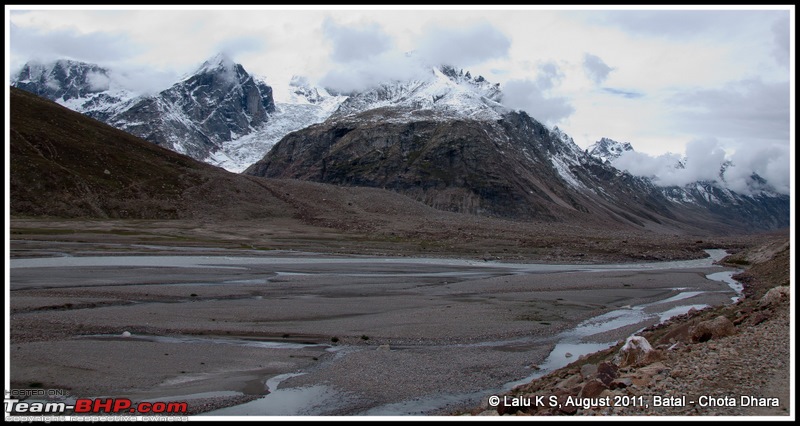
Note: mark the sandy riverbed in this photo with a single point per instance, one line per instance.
(405, 336)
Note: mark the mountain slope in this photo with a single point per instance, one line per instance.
(513, 167)
(216, 104)
(296, 107)
(65, 164)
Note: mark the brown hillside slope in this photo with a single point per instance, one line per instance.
(64, 164)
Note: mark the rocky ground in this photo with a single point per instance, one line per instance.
(732, 360)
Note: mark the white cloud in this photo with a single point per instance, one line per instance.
(747, 109)
(781, 31)
(705, 160)
(98, 46)
(595, 68)
(98, 81)
(363, 74)
(462, 46)
(531, 97)
(356, 43)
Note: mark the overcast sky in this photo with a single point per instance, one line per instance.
(667, 81)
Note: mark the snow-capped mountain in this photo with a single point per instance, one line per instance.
(711, 194)
(446, 94)
(446, 140)
(218, 103)
(608, 149)
(225, 116)
(87, 88)
(297, 106)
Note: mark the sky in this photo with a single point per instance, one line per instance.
(714, 82)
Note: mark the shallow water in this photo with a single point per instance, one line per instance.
(232, 261)
(307, 400)
(320, 399)
(727, 277)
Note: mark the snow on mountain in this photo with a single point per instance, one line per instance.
(220, 102)
(608, 149)
(297, 106)
(445, 95)
(87, 88)
(714, 191)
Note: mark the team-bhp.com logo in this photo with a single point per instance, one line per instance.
(15, 407)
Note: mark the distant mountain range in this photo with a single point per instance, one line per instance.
(445, 139)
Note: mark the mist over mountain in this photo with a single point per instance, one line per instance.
(706, 163)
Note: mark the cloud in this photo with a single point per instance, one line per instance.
(747, 109)
(98, 81)
(595, 68)
(549, 75)
(462, 46)
(239, 45)
(771, 163)
(781, 32)
(707, 160)
(629, 94)
(364, 74)
(530, 96)
(356, 43)
(70, 44)
(681, 24)
(141, 79)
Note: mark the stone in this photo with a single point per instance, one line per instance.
(775, 295)
(588, 370)
(621, 383)
(636, 351)
(607, 372)
(592, 389)
(570, 382)
(712, 329)
(758, 318)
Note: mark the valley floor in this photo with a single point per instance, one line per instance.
(216, 319)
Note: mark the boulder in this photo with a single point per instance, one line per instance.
(592, 389)
(636, 351)
(712, 329)
(607, 372)
(775, 295)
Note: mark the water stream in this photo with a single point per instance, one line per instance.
(568, 346)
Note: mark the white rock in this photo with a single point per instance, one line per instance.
(635, 350)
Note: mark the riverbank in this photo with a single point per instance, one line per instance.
(731, 360)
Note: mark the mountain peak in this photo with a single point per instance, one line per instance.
(608, 149)
(220, 60)
(221, 65)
